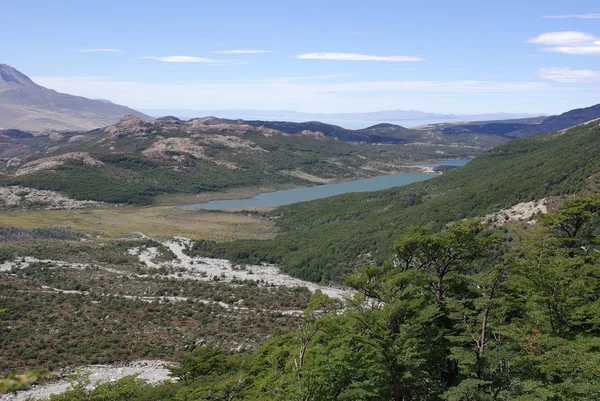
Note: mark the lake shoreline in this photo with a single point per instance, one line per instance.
(251, 192)
(272, 199)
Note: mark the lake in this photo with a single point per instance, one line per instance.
(289, 196)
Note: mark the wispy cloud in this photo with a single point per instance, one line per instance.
(573, 16)
(243, 51)
(192, 59)
(356, 57)
(568, 42)
(181, 59)
(567, 75)
(99, 50)
(325, 93)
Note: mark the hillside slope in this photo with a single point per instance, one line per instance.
(322, 239)
(134, 161)
(517, 128)
(27, 106)
(563, 121)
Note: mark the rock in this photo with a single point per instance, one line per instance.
(55, 137)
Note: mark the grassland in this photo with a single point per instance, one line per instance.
(115, 222)
(233, 193)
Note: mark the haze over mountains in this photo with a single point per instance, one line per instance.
(27, 106)
(347, 120)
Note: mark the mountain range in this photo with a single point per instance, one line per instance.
(27, 106)
(519, 128)
(414, 117)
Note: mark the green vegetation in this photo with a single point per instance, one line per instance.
(212, 162)
(324, 239)
(465, 313)
(110, 308)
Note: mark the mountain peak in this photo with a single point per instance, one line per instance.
(31, 107)
(10, 77)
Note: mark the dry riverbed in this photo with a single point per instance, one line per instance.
(151, 371)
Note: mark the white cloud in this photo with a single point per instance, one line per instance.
(100, 50)
(569, 42)
(192, 59)
(356, 57)
(181, 59)
(330, 94)
(241, 51)
(574, 16)
(567, 75)
(566, 38)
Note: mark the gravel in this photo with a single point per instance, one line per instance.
(152, 371)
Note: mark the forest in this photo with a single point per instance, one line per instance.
(466, 313)
(322, 240)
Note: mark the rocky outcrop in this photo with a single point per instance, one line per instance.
(53, 161)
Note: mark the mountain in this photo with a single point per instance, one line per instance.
(348, 120)
(134, 160)
(518, 128)
(27, 106)
(323, 239)
(563, 121)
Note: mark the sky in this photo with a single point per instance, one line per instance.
(325, 56)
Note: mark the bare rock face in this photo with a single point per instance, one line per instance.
(161, 148)
(53, 161)
(56, 137)
(314, 134)
(14, 162)
(129, 125)
(78, 138)
(11, 78)
(27, 198)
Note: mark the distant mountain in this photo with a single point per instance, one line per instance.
(27, 106)
(563, 121)
(517, 128)
(133, 161)
(415, 117)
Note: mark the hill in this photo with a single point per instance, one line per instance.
(563, 121)
(350, 118)
(27, 106)
(518, 128)
(323, 239)
(134, 161)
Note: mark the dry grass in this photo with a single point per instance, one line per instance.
(153, 221)
(308, 177)
(234, 193)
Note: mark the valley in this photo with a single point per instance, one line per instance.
(304, 201)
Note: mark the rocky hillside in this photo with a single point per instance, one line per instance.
(27, 106)
(134, 160)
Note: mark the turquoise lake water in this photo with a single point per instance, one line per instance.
(289, 196)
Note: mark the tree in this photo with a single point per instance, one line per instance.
(204, 361)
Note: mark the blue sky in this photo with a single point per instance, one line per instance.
(313, 56)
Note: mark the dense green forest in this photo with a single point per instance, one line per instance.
(324, 239)
(466, 313)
